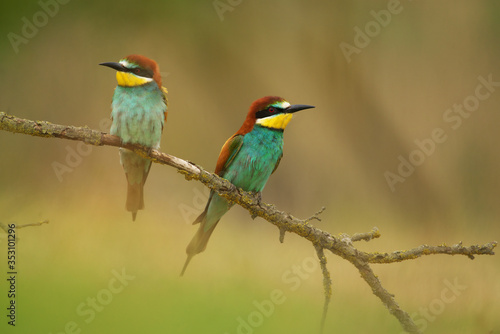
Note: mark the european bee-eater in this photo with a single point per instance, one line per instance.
(139, 111)
(247, 159)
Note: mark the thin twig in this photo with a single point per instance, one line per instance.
(282, 234)
(457, 249)
(6, 228)
(327, 284)
(387, 298)
(316, 215)
(32, 224)
(374, 233)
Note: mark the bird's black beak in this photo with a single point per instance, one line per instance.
(297, 107)
(115, 66)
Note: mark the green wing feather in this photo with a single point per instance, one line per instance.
(277, 163)
(228, 153)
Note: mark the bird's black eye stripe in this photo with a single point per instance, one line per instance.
(269, 111)
(141, 72)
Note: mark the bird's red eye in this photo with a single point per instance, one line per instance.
(272, 110)
(137, 70)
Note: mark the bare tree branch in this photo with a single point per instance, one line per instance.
(341, 246)
(32, 224)
(458, 249)
(327, 284)
(386, 298)
(5, 227)
(374, 233)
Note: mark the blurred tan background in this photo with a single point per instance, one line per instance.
(372, 105)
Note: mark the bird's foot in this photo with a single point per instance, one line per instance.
(257, 197)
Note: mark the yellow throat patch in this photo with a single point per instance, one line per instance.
(279, 121)
(126, 79)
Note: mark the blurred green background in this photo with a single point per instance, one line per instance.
(370, 109)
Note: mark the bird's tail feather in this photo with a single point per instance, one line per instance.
(199, 241)
(135, 198)
(136, 171)
(186, 263)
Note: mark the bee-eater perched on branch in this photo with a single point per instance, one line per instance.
(247, 159)
(139, 111)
